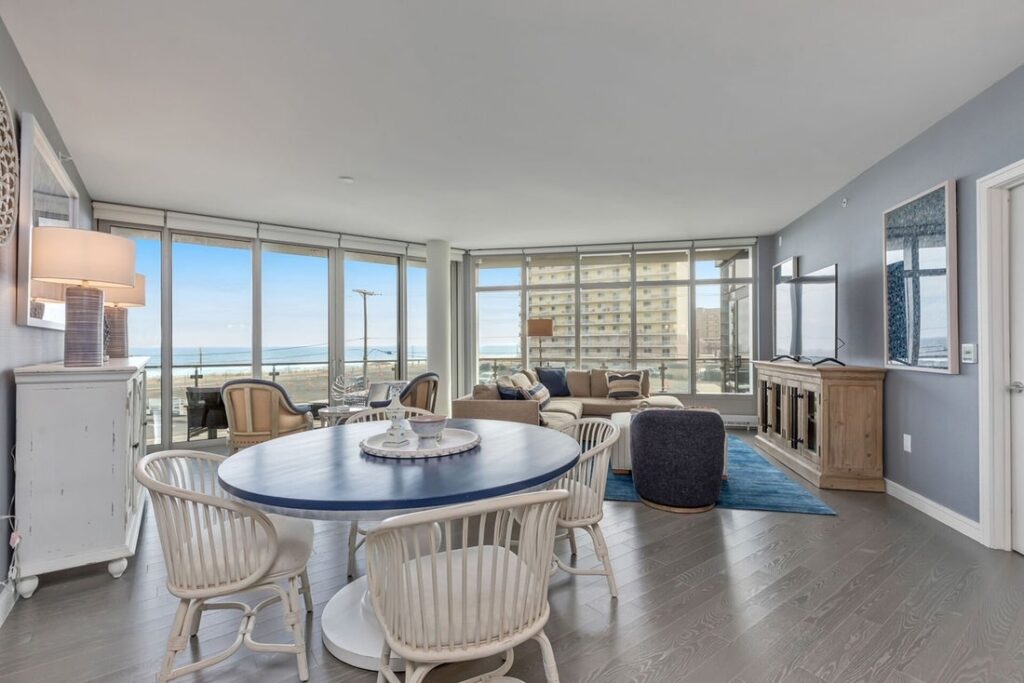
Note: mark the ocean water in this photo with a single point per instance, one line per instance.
(236, 355)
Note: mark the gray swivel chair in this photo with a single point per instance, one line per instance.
(677, 458)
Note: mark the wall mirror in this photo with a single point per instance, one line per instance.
(48, 198)
(920, 282)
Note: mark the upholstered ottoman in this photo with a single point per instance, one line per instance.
(677, 458)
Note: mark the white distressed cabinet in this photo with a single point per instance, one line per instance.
(80, 432)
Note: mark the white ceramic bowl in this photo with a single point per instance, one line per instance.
(428, 426)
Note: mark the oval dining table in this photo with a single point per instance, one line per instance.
(323, 474)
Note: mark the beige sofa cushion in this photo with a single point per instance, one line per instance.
(579, 383)
(486, 392)
(604, 407)
(569, 406)
(555, 420)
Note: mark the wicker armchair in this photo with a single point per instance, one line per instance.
(214, 547)
(258, 411)
(586, 484)
(452, 584)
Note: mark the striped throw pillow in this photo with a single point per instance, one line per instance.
(538, 392)
(624, 386)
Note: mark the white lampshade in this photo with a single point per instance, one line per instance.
(74, 257)
(126, 297)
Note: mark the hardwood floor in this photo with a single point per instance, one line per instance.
(879, 593)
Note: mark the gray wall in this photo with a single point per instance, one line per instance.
(939, 411)
(22, 345)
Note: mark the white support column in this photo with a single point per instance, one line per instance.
(439, 323)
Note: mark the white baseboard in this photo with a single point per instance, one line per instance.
(954, 520)
(7, 598)
(741, 421)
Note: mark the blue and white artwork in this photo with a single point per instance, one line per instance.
(920, 282)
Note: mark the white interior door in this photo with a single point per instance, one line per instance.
(1017, 362)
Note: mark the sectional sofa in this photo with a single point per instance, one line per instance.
(588, 397)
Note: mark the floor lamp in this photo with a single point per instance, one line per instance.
(540, 327)
(85, 260)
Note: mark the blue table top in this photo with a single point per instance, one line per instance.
(325, 470)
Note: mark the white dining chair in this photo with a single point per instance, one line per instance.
(381, 414)
(354, 530)
(455, 584)
(586, 484)
(215, 547)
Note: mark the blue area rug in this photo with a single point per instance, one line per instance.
(753, 484)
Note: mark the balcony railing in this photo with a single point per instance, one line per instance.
(305, 381)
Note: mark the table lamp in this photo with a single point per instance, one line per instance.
(116, 302)
(540, 327)
(86, 260)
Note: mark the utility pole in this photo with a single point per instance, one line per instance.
(365, 293)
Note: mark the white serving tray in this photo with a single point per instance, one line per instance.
(452, 441)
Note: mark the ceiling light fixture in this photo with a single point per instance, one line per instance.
(347, 179)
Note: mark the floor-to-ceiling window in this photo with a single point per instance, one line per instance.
(681, 312)
(605, 310)
(212, 327)
(723, 315)
(551, 295)
(415, 318)
(663, 318)
(499, 315)
(371, 320)
(295, 319)
(144, 337)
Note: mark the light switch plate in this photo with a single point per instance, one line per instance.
(906, 443)
(968, 353)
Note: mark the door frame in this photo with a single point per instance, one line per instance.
(994, 437)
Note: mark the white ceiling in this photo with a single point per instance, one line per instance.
(502, 123)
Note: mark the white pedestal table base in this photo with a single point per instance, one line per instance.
(351, 631)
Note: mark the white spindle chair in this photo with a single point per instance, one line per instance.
(214, 547)
(380, 414)
(354, 530)
(454, 584)
(586, 484)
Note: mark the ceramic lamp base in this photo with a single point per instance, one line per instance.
(83, 327)
(117, 328)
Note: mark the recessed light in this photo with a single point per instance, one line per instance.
(347, 179)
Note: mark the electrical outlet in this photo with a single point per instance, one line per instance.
(906, 443)
(968, 353)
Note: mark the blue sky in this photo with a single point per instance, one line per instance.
(212, 294)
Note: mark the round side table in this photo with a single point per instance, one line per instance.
(331, 416)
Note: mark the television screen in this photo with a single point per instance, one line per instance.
(816, 305)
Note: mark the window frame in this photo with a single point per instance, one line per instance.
(635, 253)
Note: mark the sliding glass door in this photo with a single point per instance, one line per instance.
(295, 312)
(212, 329)
(370, 298)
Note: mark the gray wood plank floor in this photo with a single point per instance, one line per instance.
(879, 593)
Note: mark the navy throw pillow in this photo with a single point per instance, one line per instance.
(554, 379)
(508, 391)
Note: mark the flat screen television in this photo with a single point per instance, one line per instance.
(816, 305)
